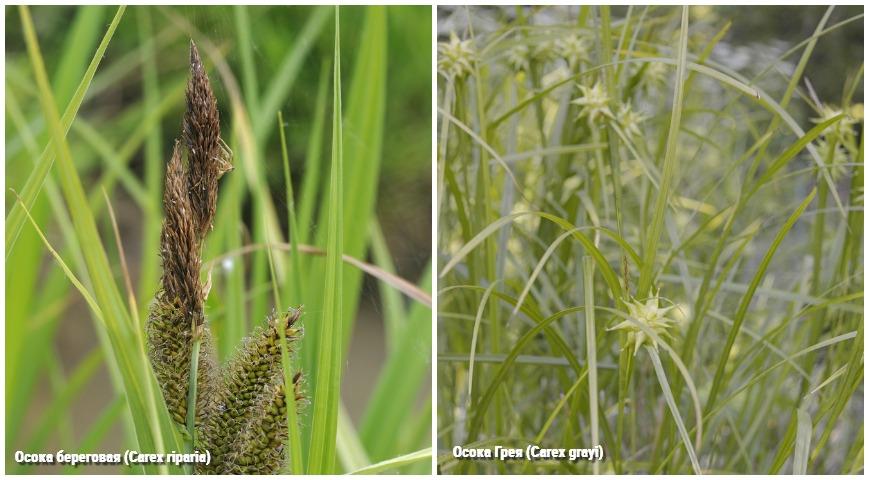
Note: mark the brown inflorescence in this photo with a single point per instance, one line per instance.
(207, 153)
(180, 242)
(240, 409)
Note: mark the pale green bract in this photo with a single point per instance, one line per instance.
(839, 130)
(594, 102)
(456, 57)
(835, 156)
(630, 120)
(518, 58)
(650, 314)
(574, 49)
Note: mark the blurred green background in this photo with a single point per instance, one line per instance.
(120, 141)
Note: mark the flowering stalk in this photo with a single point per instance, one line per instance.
(191, 392)
(237, 413)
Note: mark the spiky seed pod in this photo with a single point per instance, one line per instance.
(207, 153)
(170, 343)
(456, 58)
(262, 439)
(646, 312)
(254, 369)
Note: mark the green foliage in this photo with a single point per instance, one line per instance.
(119, 84)
(607, 180)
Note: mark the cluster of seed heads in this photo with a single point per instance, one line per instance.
(594, 106)
(240, 414)
(834, 143)
(456, 58)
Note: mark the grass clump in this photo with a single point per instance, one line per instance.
(647, 245)
(114, 371)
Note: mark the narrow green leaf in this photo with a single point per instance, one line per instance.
(802, 441)
(672, 405)
(294, 437)
(288, 70)
(591, 350)
(669, 168)
(312, 181)
(31, 188)
(760, 271)
(601, 261)
(395, 399)
(327, 384)
(126, 341)
(473, 347)
(395, 463)
(79, 41)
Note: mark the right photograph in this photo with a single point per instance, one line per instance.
(650, 240)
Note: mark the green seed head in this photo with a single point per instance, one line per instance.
(594, 103)
(456, 57)
(249, 387)
(649, 314)
(842, 129)
(518, 58)
(630, 120)
(574, 49)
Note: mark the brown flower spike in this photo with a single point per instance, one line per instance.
(208, 156)
(241, 408)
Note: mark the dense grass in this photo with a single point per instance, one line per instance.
(644, 248)
(93, 105)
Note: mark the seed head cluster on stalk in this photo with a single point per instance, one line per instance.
(649, 314)
(574, 49)
(518, 58)
(594, 103)
(832, 144)
(240, 409)
(456, 58)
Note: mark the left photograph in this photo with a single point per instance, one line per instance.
(218, 240)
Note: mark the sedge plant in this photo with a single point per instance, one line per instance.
(647, 246)
(87, 205)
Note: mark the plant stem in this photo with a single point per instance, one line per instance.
(190, 443)
(591, 355)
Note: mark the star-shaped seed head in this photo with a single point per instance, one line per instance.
(839, 130)
(835, 156)
(630, 120)
(456, 57)
(649, 314)
(594, 102)
(574, 49)
(518, 58)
